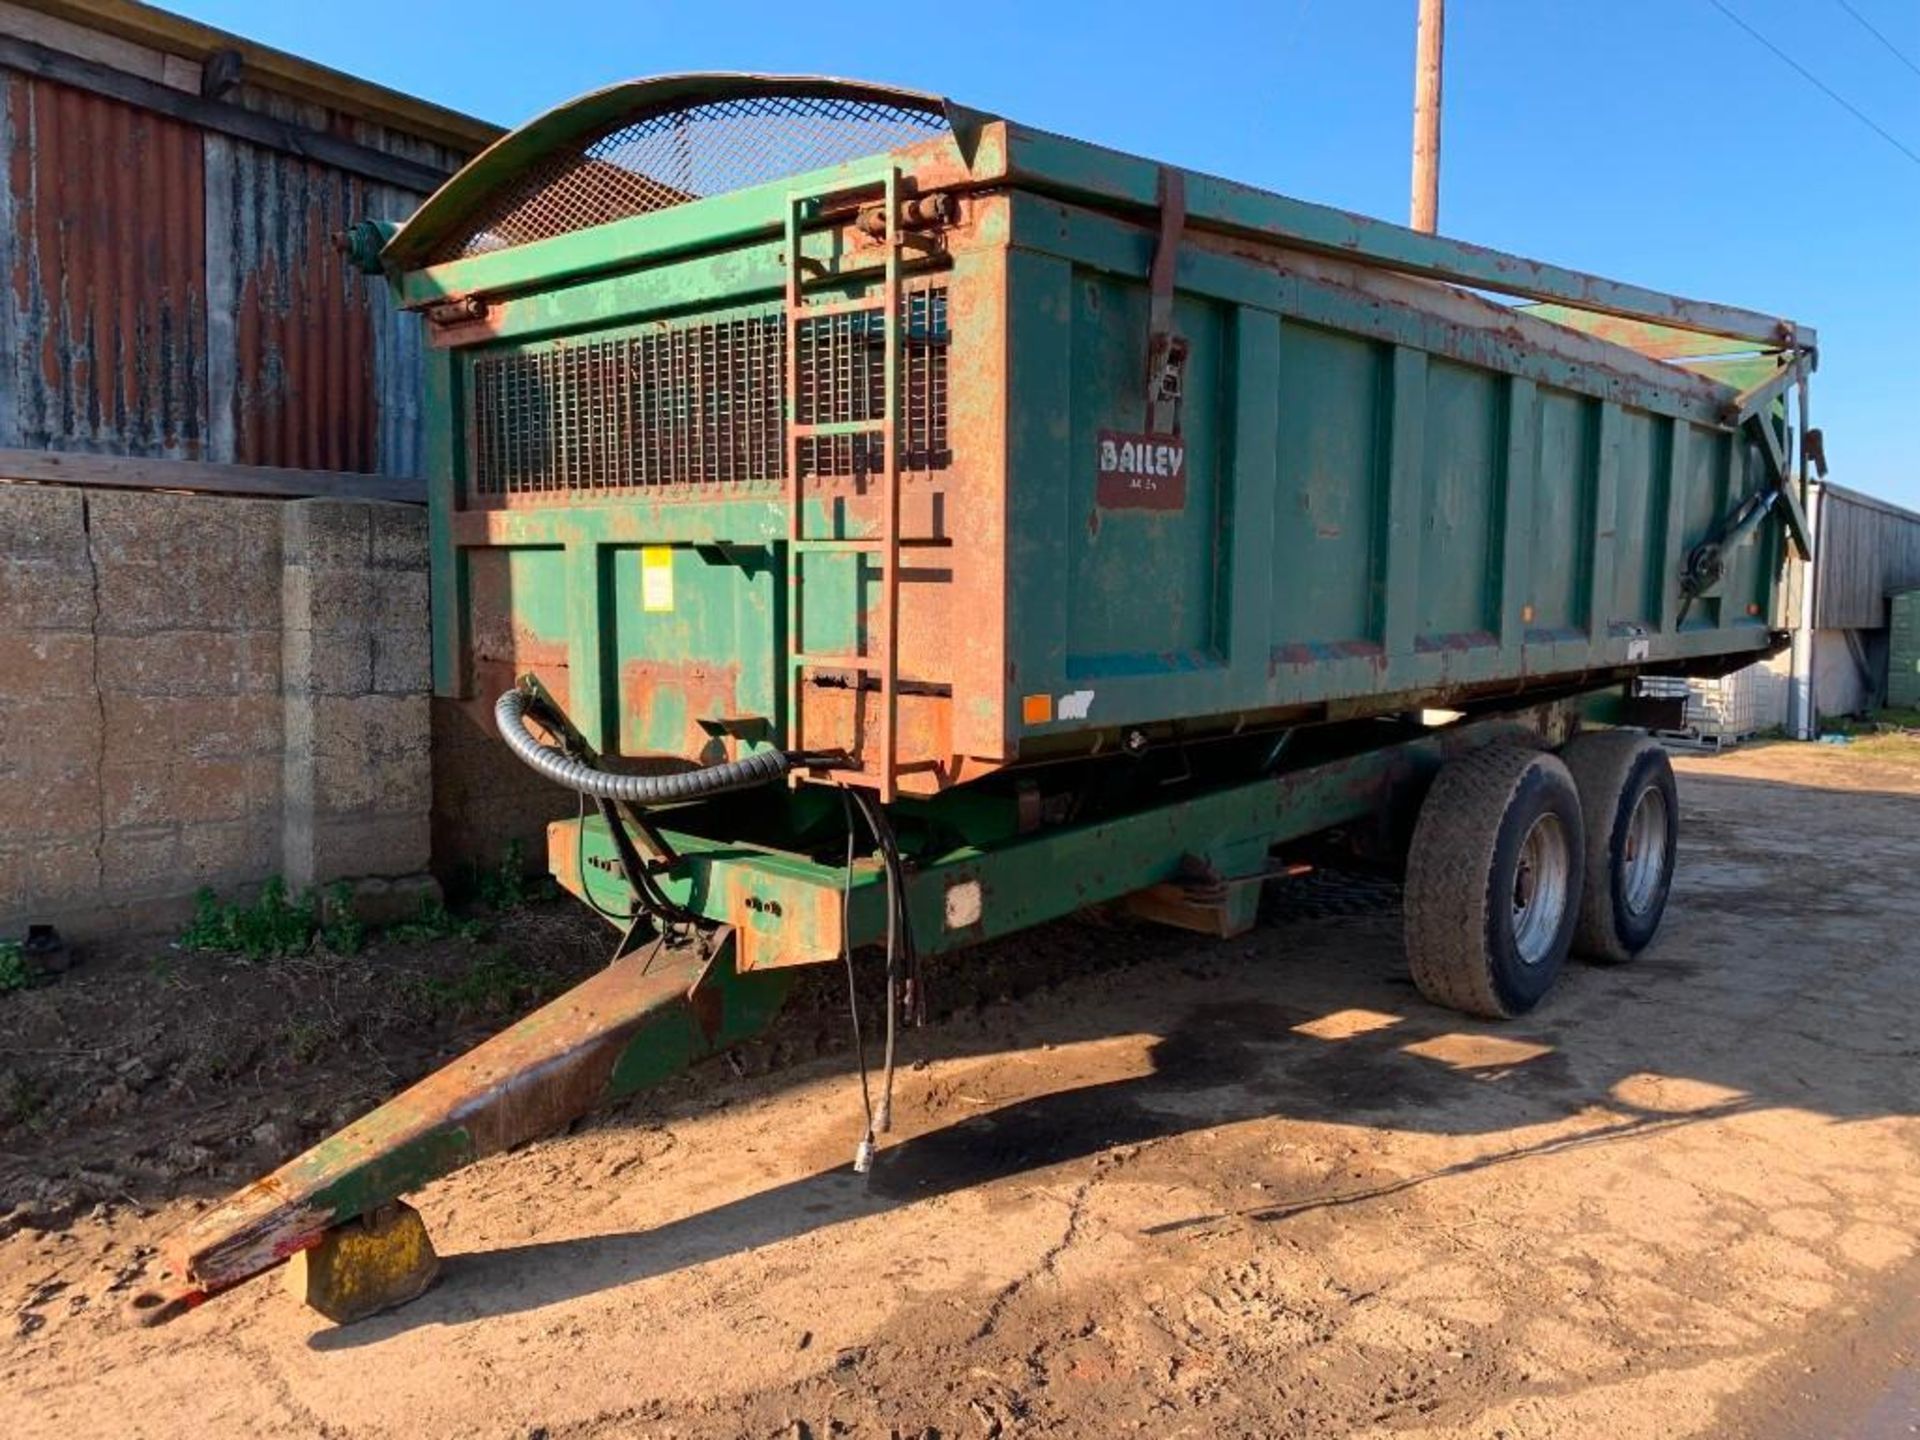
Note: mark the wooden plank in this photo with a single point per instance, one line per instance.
(72, 37)
(176, 35)
(132, 472)
(11, 347)
(218, 155)
(48, 64)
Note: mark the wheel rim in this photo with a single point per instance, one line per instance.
(1540, 885)
(1644, 863)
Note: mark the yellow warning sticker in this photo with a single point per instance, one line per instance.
(656, 578)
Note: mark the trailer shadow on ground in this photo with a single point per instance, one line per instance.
(1225, 1058)
(1311, 1018)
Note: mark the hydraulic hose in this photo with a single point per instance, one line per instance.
(510, 714)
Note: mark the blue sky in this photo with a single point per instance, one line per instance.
(1647, 140)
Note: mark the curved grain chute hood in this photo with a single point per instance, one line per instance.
(651, 144)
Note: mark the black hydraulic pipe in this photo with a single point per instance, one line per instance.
(510, 714)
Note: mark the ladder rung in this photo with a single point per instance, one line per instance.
(868, 543)
(837, 662)
(874, 564)
(836, 427)
(827, 308)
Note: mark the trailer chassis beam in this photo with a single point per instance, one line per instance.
(786, 909)
(626, 1028)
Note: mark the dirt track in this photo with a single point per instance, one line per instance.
(1252, 1189)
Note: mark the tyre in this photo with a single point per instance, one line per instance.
(1493, 881)
(1632, 832)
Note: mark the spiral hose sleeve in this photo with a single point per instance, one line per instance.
(510, 714)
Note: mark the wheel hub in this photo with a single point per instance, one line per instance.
(1540, 889)
(1644, 859)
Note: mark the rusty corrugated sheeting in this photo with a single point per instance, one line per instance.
(174, 292)
(107, 259)
(312, 366)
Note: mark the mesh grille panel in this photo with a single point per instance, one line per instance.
(843, 377)
(702, 403)
(679, 155)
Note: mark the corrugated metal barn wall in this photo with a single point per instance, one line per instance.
(174, 292)
(105, 302)
(1867, 549)
(315, 368)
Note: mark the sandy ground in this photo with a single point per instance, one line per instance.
(1247, 1189)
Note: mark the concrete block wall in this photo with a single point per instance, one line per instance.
(358, 772)
(52, 721)
(205, 691)
(484, 799)
(187, 675)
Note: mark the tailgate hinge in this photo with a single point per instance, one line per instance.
(1166, 349)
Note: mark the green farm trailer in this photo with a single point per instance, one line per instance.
(904, 527)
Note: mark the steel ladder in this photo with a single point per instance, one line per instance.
(882, 551)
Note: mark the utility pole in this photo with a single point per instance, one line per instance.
(1426, 115)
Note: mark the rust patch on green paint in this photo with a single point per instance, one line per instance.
(684, 711)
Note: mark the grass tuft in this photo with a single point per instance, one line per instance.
(495, 983)
(272, 925)
(13, 967)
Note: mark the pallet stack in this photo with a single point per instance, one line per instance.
(1721, 712)
(1903, 652)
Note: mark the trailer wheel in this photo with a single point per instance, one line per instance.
(1493, 881)
(1632, 831)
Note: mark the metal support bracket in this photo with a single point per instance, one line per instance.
(1166, 349)
(1706, 563)
(1752, 412)
(1784, 489)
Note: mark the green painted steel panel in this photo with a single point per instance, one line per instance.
(705, 650)
(1638, 510)
(1504, 509)
(1143, 585)
(1330, 511)
(1558, 544)
(1391, 495)
(1460, 466)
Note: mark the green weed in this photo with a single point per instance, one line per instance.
(435, 922)
(344, 934)
(20, 1100)
(306, 1040)
(13, 967)
(494, 983)
(506, 885)
(273, 925)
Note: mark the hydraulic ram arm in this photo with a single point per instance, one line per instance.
(622, 1030)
